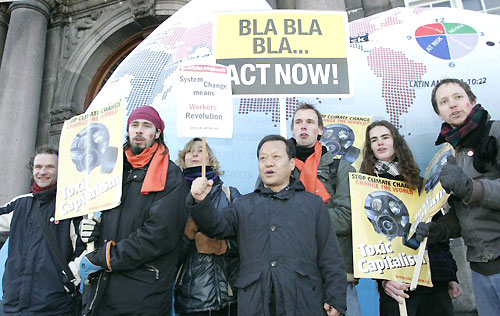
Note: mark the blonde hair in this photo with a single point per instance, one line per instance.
(212, 160)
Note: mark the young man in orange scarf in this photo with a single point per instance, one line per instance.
(323, 176)
(137, 242)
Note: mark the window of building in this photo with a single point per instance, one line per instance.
(430, 4)
(487, 6)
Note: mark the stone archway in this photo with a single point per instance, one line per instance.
(93, 56)
(112, 62)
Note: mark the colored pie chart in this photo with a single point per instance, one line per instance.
(447, 40)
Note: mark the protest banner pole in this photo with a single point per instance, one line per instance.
(420, 259)
(418, 265)
(90, 245)
(402, 308)
(203, 161)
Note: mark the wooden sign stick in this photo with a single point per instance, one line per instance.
(402, 308)
(90, 245)
(203, 161)
(420, 260)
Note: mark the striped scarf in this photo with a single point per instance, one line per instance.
(384, 167)
(455, 135)
(191, 173)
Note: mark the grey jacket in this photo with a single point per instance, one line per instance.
(339, 206)
(478, 219)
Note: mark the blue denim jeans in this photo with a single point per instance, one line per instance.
(353, 306)
(487, 293)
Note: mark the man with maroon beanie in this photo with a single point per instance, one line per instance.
(134, 263)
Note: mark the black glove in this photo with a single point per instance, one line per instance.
(454, 180)
(433, 231)
(89, 228)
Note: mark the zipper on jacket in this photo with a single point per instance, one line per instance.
(216, 276)
(96, 291)
(154, 269)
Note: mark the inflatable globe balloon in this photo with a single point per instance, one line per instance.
(395, 57)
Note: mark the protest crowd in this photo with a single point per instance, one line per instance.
(183, 241)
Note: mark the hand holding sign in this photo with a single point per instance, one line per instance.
(396, 290)
(201, 188)
(454, 180)
(433, 231)
(89, 227)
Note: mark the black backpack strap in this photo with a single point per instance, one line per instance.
(334, 168)
(54, 248)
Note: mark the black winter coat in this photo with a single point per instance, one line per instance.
(33, 283)
(147, 229)
(284, 240)
(203, 282)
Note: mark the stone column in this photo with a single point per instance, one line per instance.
(21, 82)
(4, 21)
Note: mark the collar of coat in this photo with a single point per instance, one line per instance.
(284, 194)
(46, 194)
(327, 159)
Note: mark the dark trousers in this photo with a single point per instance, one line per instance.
(436, 303)
(231, 310)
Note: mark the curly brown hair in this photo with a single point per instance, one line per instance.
(212, 160)
(407, 166)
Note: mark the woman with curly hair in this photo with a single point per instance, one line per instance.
(207, 265)
(387, 155)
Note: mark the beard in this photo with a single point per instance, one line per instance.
(136, 150)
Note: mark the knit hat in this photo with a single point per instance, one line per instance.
(147, 113)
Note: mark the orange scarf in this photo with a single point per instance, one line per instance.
(309, 173)
(156, 176)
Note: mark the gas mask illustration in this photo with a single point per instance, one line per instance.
(433, 179)
(388, 214)
(90, 149)
(339, 139)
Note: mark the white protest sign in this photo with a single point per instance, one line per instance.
(204, 102)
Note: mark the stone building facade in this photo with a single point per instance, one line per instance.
(57, 54)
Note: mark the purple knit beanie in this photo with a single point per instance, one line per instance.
(147, 113)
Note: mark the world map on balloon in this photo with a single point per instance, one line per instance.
(395, 59)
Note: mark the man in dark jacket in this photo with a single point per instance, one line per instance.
(138, 241)
(324, 175)
(289, 256)
(473, 179)
(33, 282)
